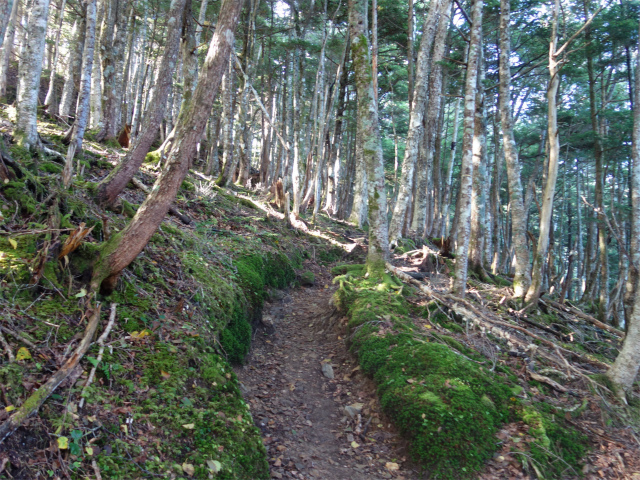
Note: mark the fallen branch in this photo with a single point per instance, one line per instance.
(552, 383)
(35, 401)
(588, 318)
(103, 337)
(468, 310)
(18, 336)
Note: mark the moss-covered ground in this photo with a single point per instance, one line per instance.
(444, 396)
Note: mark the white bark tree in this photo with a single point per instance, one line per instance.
(29, 72)
(522, 277)
(459, 280)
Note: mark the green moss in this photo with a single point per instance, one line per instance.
(50, 167)
(188, 186)
(343, 269)
(152, 157)
(307, 279)
(326, 256)
(17, 191)
(236, 338)
(447, 406)
(560, 448)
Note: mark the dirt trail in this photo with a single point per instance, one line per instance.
(306, 429)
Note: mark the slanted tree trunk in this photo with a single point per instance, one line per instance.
(50, 100)
(522, 277)
(416, 130)
(29, 71)
(76, 134)
(459, 280)
(109, 188)
(369, 137)
(123, 247)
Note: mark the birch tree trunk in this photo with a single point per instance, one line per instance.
(50, 100)
(522, 277)
(74, 66)
(29, 71)
(96, 121)
(6, 6)
(76, 133)
(415, 132)
(369, 137)
(7, 46)
(431, 120)
(109, 188)
(459, 279)
(123, 247)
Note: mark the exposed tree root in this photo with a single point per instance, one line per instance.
(489, 321)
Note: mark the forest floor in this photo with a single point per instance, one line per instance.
(164, 404)
(316, 427)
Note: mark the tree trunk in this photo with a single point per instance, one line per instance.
(76, 133)
(459, 280)
(96, 120)
(109, 188)
(6, 6)
(478, 192)
(74, 66)
(123, 247)
(552, 173)
(522, 277)
(369, 137)
(416, 120)
(29, 71)
(7, 46)
(50, 100)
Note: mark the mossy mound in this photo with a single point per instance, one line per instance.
(434, 388)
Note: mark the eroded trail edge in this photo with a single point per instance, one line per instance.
(314, 426)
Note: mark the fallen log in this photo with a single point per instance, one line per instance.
(584, 316)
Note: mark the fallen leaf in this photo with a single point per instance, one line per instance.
(140, 335)
(13, 243)
(23, 354)
(189, 426)
(354, 444)
(392, 466)
(89, 450)
(63, 443)
(9, 408)
(165, 375)
(81, 293)
(214, 465)
(188, 469)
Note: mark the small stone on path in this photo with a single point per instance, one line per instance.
(327, 371)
